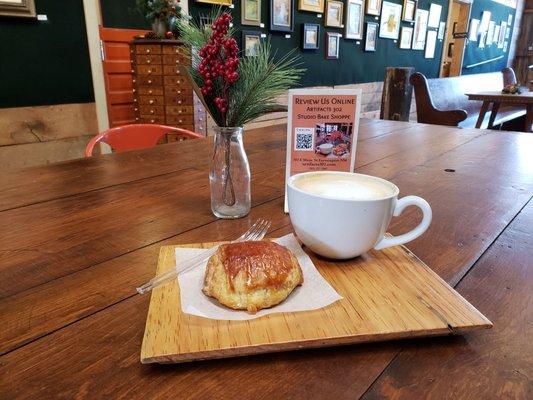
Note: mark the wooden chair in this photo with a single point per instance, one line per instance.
(136, 136)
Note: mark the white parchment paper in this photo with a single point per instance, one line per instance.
(315, 292)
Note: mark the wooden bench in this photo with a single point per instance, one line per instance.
(443, 101)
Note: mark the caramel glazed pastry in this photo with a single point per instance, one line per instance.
(251, 275)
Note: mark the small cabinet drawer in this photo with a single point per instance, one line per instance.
(152, 110)
(152, 119)
(171, 70)
(152, 100)
(147, 49)
(179, 119)
(154, 91)
(174, 50)
(177, 91)
(178, 110)
(149, 69)
(178, 101)
(147, 59)
(176, 80)
(176, 59)
(148, 80)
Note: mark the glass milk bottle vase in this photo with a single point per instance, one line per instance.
(230, 175)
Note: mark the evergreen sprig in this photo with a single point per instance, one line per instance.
(262, 78)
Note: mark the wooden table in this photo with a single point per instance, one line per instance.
(78, 237)
(524, 99)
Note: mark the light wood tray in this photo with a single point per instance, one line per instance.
(387, 294)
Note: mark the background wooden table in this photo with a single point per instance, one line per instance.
(78, 237)
(524, 99)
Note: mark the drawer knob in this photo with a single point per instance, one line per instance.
(136, 109)
(180, 121)
(179, 112)
(177, 61)
(151, 101)
(149, 81)
(179, 101)
(148, 61)
(132, 71)
(177, 51)
(133, 90)
(136, 119)
(148, 50)
(152, 121)
(150, 91)
(179, 91)
(134, 81)
(151, 111)
(201, 128)
(135, 100)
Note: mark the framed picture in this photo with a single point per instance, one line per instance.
(391, 14)
(18, 8)
(281, 15)
(354, 20)
(484, 24)
(334, 11)
(409, 9)
(406, 36)
(250, 42)
(472, 32)
(442, 29)
(311, 5)
(496, 34)
(220, 2)
(310, 36)
(332, 45)
(371, 36)
(373, 7)
(431, 43)
(420, 29)
(434, 15)
(251, 12)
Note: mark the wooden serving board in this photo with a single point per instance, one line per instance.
(387, 294)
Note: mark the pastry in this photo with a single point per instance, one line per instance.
(251, 275)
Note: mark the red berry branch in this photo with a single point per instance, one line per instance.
(219, 61)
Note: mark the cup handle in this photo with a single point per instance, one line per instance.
(401, 204)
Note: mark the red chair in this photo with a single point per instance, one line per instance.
(136, 136)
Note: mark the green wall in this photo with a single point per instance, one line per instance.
(354, 64)
(473, 54)
(45, 62)
(122, 14)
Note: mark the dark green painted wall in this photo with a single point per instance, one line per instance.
(354, 65)
(122, 14)
(473, 54)
(45, 62)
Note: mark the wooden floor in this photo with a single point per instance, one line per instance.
(79, 236)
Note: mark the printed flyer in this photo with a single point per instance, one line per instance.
(322, 128)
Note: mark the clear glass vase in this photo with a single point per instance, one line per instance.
(230, 175)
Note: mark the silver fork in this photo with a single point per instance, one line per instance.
(256, 232)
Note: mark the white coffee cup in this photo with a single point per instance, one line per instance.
(342, 215)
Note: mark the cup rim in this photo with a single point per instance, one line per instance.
(293, 178)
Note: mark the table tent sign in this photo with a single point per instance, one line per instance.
(322, 129)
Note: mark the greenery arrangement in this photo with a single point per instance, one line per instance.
(236, 90)
(165, 11)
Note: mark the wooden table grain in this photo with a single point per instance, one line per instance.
(79, 236)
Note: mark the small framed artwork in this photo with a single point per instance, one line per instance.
(310, 36)
(371, 36)
(373, 7)
(251, 12)
(442, 29)
(282, 15)
(409, 9)
(334, 13)
(316, 6)
(354, 20)
(420, 29)
(391, 14)
(431, 43)
(18, 8)
(250, 42)
(332, 45)
(406, 36)
(434, 15)
(220, 2)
